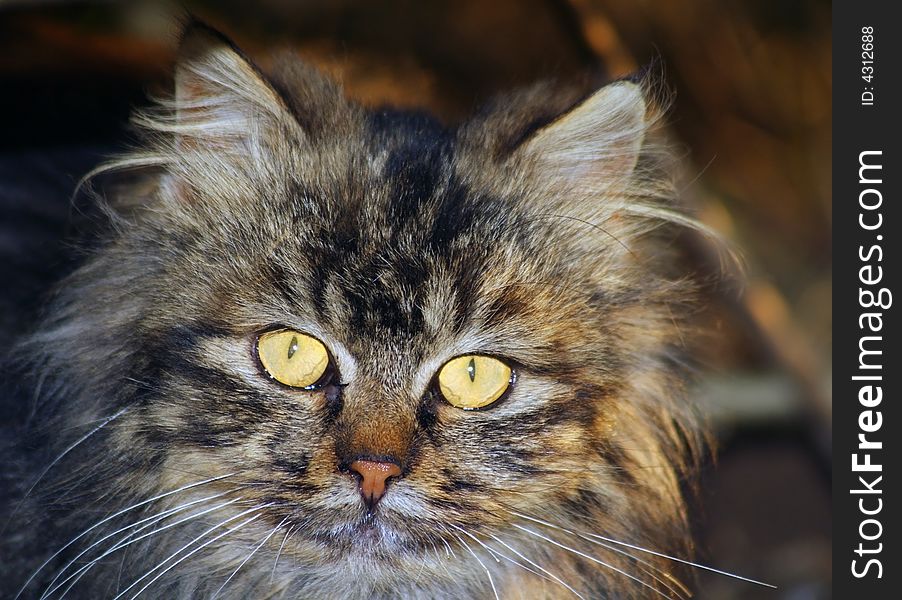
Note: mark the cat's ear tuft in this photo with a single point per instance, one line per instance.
(594, 146)
(220, 96)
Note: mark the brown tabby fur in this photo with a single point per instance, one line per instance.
(536, 233)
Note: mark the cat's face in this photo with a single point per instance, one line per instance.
(396, 267)
(391, 248)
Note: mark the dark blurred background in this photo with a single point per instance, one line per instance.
(751, 114)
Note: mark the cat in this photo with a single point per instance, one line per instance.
(324, 351)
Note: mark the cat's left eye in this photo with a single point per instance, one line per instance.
(293, 358)
(473, 382)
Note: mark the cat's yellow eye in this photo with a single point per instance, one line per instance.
(292, 358)
(471, 382)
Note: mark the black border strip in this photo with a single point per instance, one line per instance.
(861, 126)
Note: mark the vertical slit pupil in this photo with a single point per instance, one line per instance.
(471, 369)
(293, 346)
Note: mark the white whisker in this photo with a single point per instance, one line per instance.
(482, 564)
(646, 550)
(279, 553)
(438, 557)
(448, 551)
(199, 548)
(495, 553)
(475, 539)
(591, 558)
(684, 561)
(177, 552)
(141, 525)
(113, 516)
(645, 566)
(254, 551)
(122, 543)
(46, 470)
(416, 580)
(681, 593)
(547, 572)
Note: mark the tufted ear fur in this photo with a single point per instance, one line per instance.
(221, 99)
(564, 152)
(229, 134)
(593, 148)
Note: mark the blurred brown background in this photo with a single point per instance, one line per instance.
(752, 110)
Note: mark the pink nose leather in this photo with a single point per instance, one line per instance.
(373, 476)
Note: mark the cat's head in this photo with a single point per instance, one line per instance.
(382, 346)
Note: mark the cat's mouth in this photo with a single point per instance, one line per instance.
(342, 525)
(371, 534)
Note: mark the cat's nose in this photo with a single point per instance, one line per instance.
(374, 475)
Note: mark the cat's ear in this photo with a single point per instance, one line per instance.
(221, 98)
(593, 148)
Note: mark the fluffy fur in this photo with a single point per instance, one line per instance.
(533, 233)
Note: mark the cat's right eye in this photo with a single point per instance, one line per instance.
(293, 358)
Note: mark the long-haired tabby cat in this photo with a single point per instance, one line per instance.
(331, 352)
